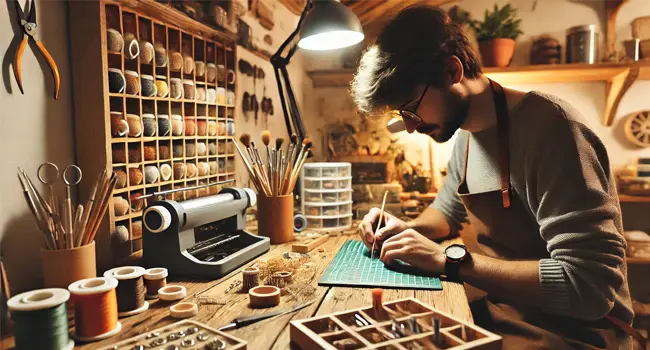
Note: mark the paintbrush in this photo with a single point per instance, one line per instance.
(260, 165)
(278, 146)
(381, 217)
(251, 166)
(89, 207)
(38, 216)
(302, 156)
(266, 140)
(101, 209)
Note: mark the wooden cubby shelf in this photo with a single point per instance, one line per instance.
(137, 155)
(618, 77)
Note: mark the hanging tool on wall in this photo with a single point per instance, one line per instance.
(29, 28)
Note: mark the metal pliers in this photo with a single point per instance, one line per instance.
(29, 27)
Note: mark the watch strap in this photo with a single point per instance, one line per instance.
(452, 271)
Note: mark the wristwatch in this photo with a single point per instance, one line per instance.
(455, 254)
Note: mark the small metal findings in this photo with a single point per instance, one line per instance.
(203, 337)
(217, 344)
(172, 337)
(158, 342)
(192, 330)
(361, 319)
(186, 343)
(153, 335)
(171, 347)
(180, 334)
(137, 347)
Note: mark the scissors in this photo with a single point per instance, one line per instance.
(29, 27)
(69, 181)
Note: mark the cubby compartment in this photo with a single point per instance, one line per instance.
(136, 202)
(355, 319)
(344, 340)
(330, 197)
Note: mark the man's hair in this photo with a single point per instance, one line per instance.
(412, 49)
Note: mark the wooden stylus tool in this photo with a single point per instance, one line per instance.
(381, 218)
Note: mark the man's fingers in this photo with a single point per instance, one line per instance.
(387, 230)
(388, 246)
(393, 254)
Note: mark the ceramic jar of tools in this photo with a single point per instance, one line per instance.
(63, 267)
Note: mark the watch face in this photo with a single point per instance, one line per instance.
(455, 252)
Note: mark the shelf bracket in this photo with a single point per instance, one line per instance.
(616, 88)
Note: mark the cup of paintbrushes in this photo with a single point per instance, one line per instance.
(275, 217)
(63, 266)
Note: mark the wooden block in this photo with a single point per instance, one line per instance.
(305, 248)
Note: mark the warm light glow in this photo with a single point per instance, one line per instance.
(333, 40)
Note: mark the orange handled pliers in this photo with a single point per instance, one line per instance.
(29, 30)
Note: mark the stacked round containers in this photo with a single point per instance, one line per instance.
(327, 196)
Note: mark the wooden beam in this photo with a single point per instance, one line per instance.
(616, 88)
(383, 10)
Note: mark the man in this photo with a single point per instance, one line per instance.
(531, 179)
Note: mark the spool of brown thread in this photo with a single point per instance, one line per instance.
(130, 290)
(250, 278)
(155, 279)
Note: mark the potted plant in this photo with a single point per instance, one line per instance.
(496, 35)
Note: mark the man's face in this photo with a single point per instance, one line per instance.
(442, 110)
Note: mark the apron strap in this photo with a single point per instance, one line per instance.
(627, 329)
(501, 107)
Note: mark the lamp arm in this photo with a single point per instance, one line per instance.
(293, 106)
(292, 36)
(283, 102)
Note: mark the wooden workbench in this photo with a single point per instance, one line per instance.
(274, 333)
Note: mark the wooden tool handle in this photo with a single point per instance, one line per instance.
(53, 68)
(18, 63)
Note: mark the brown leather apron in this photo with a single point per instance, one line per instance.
(503, 228)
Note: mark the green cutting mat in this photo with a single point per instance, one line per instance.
(352, 266)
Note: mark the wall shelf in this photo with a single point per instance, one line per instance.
(618, 76)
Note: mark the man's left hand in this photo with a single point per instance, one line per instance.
(413, 248)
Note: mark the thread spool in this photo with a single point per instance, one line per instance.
(95, 312)
(130, 291)
(250, 278)
(40, 319)
(155, 279)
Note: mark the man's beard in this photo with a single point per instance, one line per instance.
(452, 121)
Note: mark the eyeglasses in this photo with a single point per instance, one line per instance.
(411, 114)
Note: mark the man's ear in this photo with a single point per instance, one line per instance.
(455, 70)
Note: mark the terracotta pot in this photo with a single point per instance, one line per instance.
(497, 52)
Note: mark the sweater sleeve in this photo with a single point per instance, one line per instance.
(569, 190)
(447, 200)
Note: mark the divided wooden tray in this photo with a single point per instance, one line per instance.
(324, 332)
(187, 334)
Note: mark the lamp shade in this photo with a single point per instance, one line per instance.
(330, 25)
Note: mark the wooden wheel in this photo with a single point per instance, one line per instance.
(637, 128)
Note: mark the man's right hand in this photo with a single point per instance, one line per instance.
(367, 227)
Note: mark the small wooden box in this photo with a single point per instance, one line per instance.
(322, 332)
